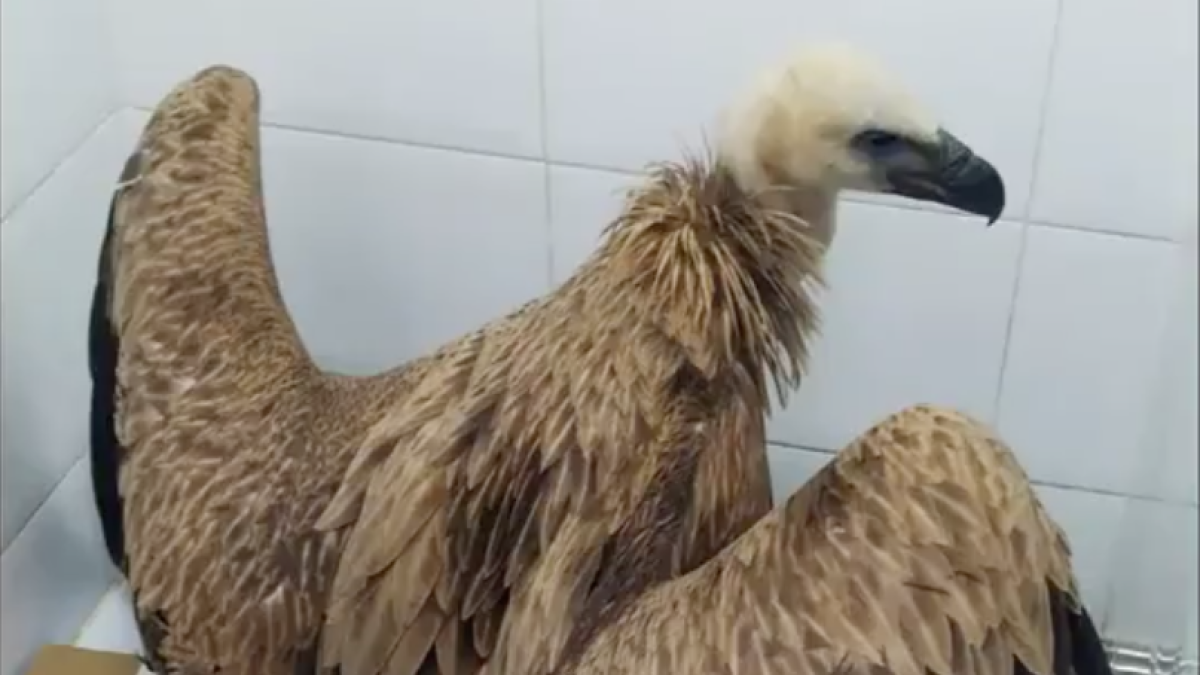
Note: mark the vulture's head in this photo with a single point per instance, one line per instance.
(832, 119)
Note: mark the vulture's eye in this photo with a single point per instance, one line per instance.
(878, 141)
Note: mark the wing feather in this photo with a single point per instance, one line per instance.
(458, 505)
(234, 441)
(921, 548)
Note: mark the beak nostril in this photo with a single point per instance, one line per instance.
(958, 163)
(955, 157)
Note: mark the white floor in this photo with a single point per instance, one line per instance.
(111, 627)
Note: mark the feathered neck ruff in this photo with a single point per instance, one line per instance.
(723, 275)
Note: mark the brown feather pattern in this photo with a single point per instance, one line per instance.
(921, 548)
(483, 507)
(235, 441)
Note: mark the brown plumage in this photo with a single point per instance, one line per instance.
(491, 510)
(485, 506)
(230, 442)
(921, 548)
(484, 512)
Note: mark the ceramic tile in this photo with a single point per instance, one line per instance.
(582, 203)
(461, 73)
(111, 626)
(56, 86)
(792, 467)
(1170, 445)
(49, 248)
(1088, 518)
(1119, 151)
(53, 574)
(916, 312)
(419, 247)
(1083, 354)
(1191, 647)
(1154, 574)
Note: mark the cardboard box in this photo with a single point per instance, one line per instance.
(68, 660)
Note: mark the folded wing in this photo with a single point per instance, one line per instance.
(476, 502)
(922, 548)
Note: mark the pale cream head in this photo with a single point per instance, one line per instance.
(832, 118)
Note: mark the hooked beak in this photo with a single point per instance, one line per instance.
(952, 175)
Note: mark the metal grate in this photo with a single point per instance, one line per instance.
(1131, 659)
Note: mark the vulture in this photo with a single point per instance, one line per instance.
(462, 511)
(921, 549)
(498, 510)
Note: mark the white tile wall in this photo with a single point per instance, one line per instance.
(49, 248)
(53, 573)
(1084, 354)
(54, 566)
(1154, 574)
(1174, 422)
(1120, 144)
(792, 467)
(898, 331)
(1051, 324)
(385, 251)
(1081, 514)
(1154, 586)
(460, 73)
(55, 87)
(112, 626)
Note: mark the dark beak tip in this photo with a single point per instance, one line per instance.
(1000, 199)
(979, 188)
(956, 177)
(974, 184)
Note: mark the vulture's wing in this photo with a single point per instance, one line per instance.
(219, 410)
(103, 353)
(477, 503)
(921, 548)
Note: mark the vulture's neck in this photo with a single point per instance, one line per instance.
(817, 206)
(725, 274)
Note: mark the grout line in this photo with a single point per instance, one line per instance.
(1138, 236)
(588, 166)
(74, 150)
(1102, 492)
(375, 138)
(543, 130)
(1006, 352)
(1048, 224)
(1044, 108)
(20, 528)
(802, 448)
(547, 187)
